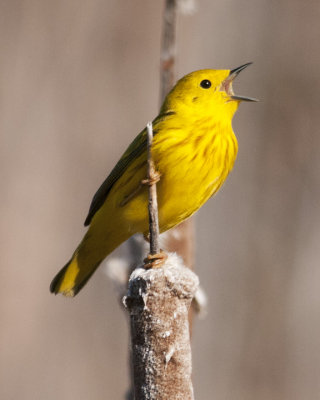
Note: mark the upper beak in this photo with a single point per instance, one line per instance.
(233, 74)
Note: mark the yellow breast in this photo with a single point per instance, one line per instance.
(193, 167)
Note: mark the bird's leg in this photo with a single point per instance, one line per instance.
(154, 178)
(155, 260)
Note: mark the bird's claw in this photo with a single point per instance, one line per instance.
(155, 260)
(154, 178)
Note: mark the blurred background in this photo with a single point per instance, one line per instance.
(78, 81)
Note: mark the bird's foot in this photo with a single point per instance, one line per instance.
(154, 178)
(155, 260)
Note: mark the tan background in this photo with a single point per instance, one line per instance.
(78, 80)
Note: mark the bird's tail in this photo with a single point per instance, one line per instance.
(99, 241)
(71, 278)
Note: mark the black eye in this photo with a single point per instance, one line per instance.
(205, 84)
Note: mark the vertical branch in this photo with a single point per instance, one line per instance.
(153, 202)
(168, 48)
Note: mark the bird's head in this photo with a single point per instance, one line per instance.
(206, 93)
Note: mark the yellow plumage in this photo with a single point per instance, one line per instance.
(194, 149)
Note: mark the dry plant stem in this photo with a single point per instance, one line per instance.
(153, 203)
(168, 48)
(158, 301)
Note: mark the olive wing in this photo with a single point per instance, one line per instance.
(134, 150)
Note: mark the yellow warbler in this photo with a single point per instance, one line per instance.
(194, 149)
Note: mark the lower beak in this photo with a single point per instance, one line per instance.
(243, 98)
(233, 74)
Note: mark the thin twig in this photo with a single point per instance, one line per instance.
(153, 202)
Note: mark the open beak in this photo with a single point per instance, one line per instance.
(227, 84)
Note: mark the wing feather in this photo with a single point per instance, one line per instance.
(135, 149)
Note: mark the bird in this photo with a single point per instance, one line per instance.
(194, 149)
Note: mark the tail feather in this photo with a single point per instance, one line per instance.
(69, 281)
(54, 285)
(99, 241)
